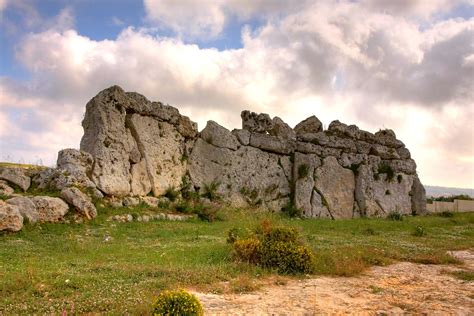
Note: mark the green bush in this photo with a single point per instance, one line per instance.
(277, 248)
(303, 171)
(172, 194)
(291, 210)
(395, 216)
(419, 231)
(177, 303)
(247, 250)
(387, 169)
(210, 191)
(206, 212)
(287, 257)
(446, 214)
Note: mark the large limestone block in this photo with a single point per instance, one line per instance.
(308, 148)
(350, 160)
(319, 138)
(336, 185)
(384, 152)
(247, 176)
(219, 136)
(273, 144)
(50, 209)
(256, 123)
(10, 217)
(303, 171)
(163, 149)
(388, 138)
(26, 208)
(140, 185)
(318, 209)
(16, 176)
(73, 159)
(378, 196)
(310, 125)
(281, 129)
(242, 135)
(407, 166)
(109, 141)
(342, 130)
(80, 201)
(418, 197)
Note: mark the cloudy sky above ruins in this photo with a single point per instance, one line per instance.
(406, 65)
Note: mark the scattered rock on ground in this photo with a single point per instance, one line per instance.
(26, 208)
(17, 176)
(50, 209)
(5, 189)
(10, 217)
(80, 201)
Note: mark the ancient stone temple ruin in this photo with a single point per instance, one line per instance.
(138, 147)
(133, 147)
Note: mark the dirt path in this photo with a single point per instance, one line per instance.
(396, 289)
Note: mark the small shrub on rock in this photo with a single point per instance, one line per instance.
(291, 210)
(177, 303)
(395, 216)
(172, 194)
(210, 191)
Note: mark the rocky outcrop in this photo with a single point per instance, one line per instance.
(10, 217)
(135, 148)
(126, 134)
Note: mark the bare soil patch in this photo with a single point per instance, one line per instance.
(396, 289)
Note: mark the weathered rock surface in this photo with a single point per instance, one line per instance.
(273, 144)
(162, 148)
(17, 176)
(50, 209)
(245, 176)
(310, 125)
(124, 129)
(336, 186)
(281, 129)
(80, 201)
(303, 171)
(10, 217)
(5, 189)
(219, 136)
(256, 123)
(26, 208)
(418, 197)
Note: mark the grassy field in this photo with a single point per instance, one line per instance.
(112, 267)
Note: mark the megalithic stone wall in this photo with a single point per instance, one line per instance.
(141, 147)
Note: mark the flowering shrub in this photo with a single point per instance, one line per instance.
(177, 303)
(277, 248)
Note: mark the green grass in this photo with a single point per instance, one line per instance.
(51, 268)
(18, 165)
(464, 275)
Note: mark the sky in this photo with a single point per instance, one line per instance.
(407, 65)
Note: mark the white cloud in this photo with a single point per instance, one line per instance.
(337, 60)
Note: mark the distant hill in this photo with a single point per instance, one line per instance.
(435, 191)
